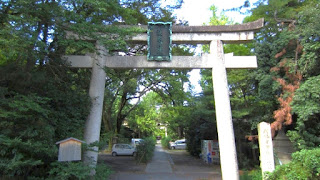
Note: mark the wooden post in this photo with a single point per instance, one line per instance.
(228, 153)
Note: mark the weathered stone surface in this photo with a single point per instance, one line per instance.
(96, 93)
(256, 25)
(228, 154)
(251, 26)
(202, 38)
(266, 148)
(79, 61)
(200, 34)
(178, 62)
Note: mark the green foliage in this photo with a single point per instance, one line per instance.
(216, 20)
(309, 32)
(68, 170)
(26, 134)
(165, 142)
(304, 165)
(78, 170)
(221, 19)
(176, 118)
(306, 99)
(200, 124)
(145, 150)
(164, 104)
(34, 119)
(16, 159)
(147, 115)
(251, 175)
(126, 88)
(103, 171)
(306, 105)
(42, 101)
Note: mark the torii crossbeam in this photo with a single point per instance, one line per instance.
(216, 60)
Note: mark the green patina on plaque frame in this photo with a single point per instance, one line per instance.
(159, 41)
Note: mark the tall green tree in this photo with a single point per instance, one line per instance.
(286, 42)
(306, 105)
(305, 99)
(170, 88)
(146, 118)
(33, 37)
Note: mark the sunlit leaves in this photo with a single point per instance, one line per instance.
(306, 104)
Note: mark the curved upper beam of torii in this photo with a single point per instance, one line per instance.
(238, 32)
(216, 36)
(205, 34)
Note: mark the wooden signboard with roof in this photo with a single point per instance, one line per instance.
(69, 149)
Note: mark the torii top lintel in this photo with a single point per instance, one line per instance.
(250, 26)
(204, 34)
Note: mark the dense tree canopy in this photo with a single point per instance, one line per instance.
(287, 50)
(43, 101)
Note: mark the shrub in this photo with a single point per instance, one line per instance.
(77, 170)
(145, 150)
(305, 164)
(252, 175)
(165, 142)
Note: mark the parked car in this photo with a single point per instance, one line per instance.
(135, 142)
(179, 144)
(123, 149)
(171, 144)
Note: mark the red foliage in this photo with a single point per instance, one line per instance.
(252, 137)
(281, 53)
(283, 114)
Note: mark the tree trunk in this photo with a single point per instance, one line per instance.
(120, 117)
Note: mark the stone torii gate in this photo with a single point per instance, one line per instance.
(216, 36)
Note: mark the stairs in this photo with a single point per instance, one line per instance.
(283, 148)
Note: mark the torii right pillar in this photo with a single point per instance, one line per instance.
(228, 154)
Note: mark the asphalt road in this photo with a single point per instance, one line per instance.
(166, 164)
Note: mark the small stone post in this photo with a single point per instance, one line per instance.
(266, 148)
(228, 154)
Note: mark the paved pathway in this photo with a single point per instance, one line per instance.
(163, 168)
(160, 162)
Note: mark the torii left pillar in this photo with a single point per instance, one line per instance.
(96, 93)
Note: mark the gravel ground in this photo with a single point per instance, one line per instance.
(185, 163)
(121, 163)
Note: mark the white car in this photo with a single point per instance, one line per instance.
(179, 144)
(135, 142)
(123, 149)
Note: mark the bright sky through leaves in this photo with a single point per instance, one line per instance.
(197, 12)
